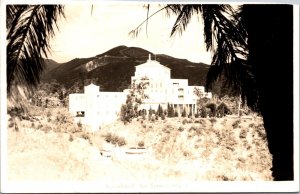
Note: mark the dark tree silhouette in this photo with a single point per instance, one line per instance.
(270, 44)
(29, 28)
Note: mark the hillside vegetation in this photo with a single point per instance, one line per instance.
(45, 144)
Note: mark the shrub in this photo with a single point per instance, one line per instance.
(121, 141)
(243, 134)
(176, 114)
(49, 114)
(223, 110)
(115, 140)
(153, 118)
(11, 124)
(108, 137)
(141, 143)
(85, 136)
(184, 121)
(213, 109)
(79, 124)
(39, 126)
(203, 112)
(127, 112)
(180, 129)
(193, 128)
(163, 117)
(251, 125)
(236, 123)
(213, 120)
(71, 138)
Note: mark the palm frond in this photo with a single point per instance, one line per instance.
(29, 29)
(135, 32)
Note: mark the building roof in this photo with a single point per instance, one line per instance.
(152, 63)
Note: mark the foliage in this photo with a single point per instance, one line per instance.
(115, 139)
(213, 109)
(159, 111)
(183, 114)
(223, 110)
(170, 111)
(29, 29)
(134, 99)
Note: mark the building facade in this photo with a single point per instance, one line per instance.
(95, 108)
(162, 90)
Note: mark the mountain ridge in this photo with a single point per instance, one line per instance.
(112, 70)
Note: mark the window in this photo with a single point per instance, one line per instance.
(80, 114)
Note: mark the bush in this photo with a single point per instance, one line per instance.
(108, 137)
(236, 123)
(141, 143)
(11, 124)
(127, 113)
(203, 112)
(243, 134)
(115, 140)
(184, 121)
(176, 114)
(193, 128)
(180, 129)
(71, 138)
(213, 120)
(213, 109)
(223, 110)
(121, 141)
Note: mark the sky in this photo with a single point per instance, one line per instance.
(86, 33)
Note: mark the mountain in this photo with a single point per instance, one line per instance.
(112, 70)
(50, 64)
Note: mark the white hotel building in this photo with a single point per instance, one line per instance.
(163, 90)
(97, 108)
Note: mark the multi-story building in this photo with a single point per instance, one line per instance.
(162, 90)
(97, 108)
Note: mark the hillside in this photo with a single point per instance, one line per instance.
(112, 69)
(50, 65)
(53, 148)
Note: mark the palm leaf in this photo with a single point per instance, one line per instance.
(29, 29)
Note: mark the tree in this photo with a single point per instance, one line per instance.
(134, 99)
(183, 114)
(170, 111)
(159, 111)
(29, 28)
(248, 44)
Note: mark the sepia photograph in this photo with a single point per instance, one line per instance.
(127, 96)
